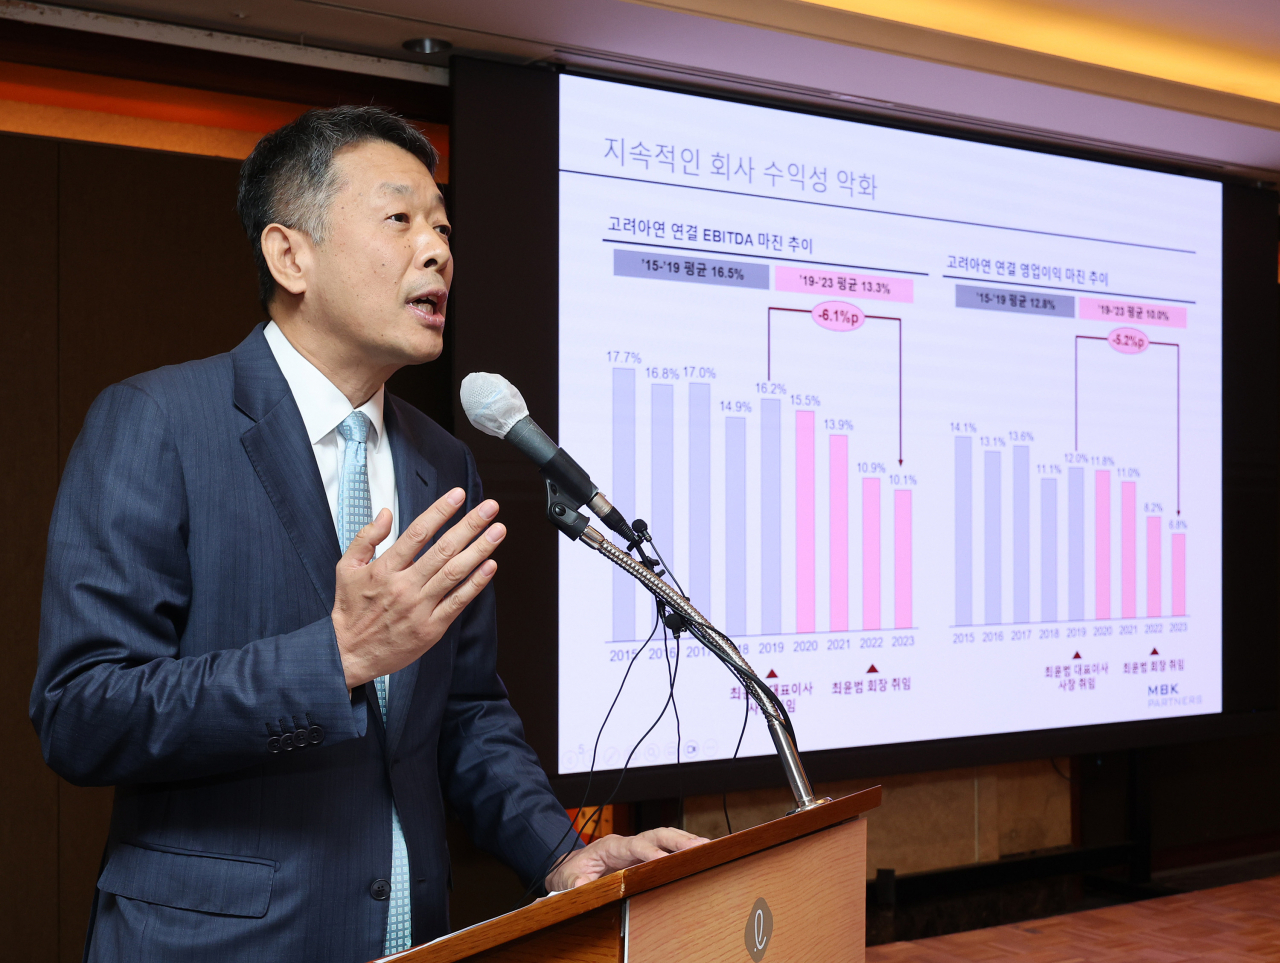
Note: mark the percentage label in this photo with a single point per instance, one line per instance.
(1049, 469)
(1021, 436)
(1152, 508)
(902, 479)
(662, 374)
(838, 316)
(871, 468)
(1128, 340)
(622, 357)
(837, 424)
(991, 441)
(692, 372)
(1178, 525)
(1128, 473)
(738, 406)
(806, 401)
(964, 427)
(771, 388)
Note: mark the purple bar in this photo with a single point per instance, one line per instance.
(1153, 566)
(902, 558)
(1128, 550)
(1179, 575)
(839, 533)
(623, 489)
(735, 525)
(1102, 544)
(699, 583)
(871, 553)
(805, 534)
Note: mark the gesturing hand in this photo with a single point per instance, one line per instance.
(608, 853)
(388, 611)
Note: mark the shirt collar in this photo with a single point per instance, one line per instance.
(322, 405)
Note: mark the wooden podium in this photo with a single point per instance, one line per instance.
(789, 891)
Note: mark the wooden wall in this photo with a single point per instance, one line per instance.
(112, 261)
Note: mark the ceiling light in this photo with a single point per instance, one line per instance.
(427, 45)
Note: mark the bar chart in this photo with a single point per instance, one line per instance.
(1123, 527)
(795, 519)
(1092, 491)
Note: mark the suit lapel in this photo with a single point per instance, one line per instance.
(416, 489)
(278, 449)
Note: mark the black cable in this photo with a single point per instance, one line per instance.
(666, 567)
(552, 856)
(671, 680)
(744, 675)
(746, 714)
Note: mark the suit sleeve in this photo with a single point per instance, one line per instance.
(491, 776)
(114, 702)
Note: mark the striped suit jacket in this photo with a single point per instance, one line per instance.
(187, 657)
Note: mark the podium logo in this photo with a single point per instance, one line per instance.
(759, 930)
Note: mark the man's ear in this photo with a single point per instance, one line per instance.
(289, 256)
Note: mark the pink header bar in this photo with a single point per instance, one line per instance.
(1161, 315)
(855, 285)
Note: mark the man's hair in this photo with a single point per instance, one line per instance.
(290, 179)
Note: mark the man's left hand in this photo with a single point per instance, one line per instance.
(602, 856)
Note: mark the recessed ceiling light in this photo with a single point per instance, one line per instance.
(427, 45)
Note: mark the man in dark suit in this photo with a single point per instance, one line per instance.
(286, 695)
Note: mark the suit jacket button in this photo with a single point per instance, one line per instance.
(273, 744)
(380, 889)
(317, 735)
(301, 738)
(286, 741)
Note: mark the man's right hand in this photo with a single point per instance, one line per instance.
(390, 610)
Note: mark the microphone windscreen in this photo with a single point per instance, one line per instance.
(492, 403)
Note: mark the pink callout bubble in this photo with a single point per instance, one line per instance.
(1128, 340)
(838, 316)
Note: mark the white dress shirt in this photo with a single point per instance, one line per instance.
(323, 409)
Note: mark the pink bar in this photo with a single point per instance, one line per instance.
(1160, 315)
(866, 286)
(839, 533)
(1153, 566)
(1128, 550)
(1102, 544)
(871, 553)
(902, 558)
(1179, 575)
(805, 589)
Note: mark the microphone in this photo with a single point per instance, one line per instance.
(496, 407)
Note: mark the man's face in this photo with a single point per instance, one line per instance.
(379, 282)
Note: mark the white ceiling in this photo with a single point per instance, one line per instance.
(640, 39)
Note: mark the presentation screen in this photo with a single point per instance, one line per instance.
(931, 428)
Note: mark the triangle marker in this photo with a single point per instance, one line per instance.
(771, 675)
(1076, 656)
(872, 669)
(1154, 652)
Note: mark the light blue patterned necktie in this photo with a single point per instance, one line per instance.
(355, 511)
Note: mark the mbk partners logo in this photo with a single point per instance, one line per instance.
(759, 930)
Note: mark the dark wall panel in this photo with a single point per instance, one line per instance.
(504, 157)
(29, 396)
(153, 268)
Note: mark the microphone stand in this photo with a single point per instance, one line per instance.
(564, 515)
